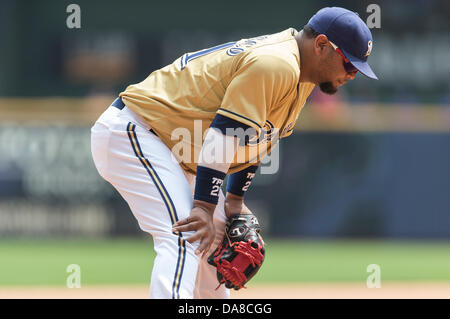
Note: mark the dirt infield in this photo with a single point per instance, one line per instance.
(256, 291)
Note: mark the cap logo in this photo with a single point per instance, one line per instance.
(369, 48)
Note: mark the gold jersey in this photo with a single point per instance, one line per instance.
(254, 81)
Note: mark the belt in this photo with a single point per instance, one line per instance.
(118, 103)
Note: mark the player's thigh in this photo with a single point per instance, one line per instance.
(220, 220)
(142, 169)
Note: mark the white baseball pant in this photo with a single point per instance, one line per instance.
(159, 192)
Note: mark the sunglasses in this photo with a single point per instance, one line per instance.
(350, 68)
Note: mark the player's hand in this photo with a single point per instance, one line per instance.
(200, 220)
(234, 205)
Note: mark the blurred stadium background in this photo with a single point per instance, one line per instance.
(363, 180)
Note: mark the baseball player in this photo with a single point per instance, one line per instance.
(167, 144)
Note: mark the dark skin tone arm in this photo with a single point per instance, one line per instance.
(200, 219)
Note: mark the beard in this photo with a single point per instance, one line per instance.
(328, 88)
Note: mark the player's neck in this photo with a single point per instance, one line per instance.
(304, 57)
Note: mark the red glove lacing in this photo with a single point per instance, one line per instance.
(234, 272)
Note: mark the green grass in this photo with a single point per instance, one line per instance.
(129, 261)
(44, 262)
(326, 261)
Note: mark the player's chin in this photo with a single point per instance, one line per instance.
(328, 88)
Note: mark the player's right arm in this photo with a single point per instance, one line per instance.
(215, 158)
(258, 85)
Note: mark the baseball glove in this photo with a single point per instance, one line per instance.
(241, 253)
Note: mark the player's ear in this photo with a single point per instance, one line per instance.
(320, 44)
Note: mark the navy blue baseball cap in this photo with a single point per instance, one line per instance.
(345, 29)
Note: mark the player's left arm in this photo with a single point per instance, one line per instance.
(237, 185)
(241, 252)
